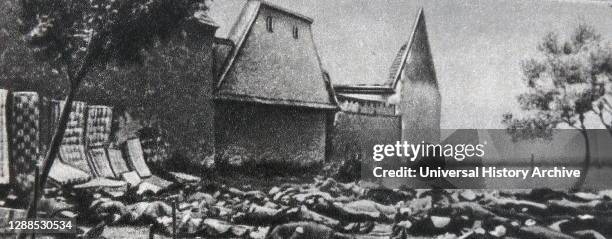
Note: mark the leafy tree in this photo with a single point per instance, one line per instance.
(77, 37)
(167, 92)
(570, 82)
(19, 71)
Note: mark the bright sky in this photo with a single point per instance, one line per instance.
(477, 45)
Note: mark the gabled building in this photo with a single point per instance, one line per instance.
(273, 101)
(409, 92)
(405, 106)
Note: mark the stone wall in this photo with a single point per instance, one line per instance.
(355, 134)
(257, 134)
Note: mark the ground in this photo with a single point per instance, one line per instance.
(142, 232)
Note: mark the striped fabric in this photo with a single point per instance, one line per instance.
(75, 128)
(135, 157)
(64, 174)
(131, 178)
(100, 163)
(46, 124)
(4, 143)
(99, 120)
(72, 168)
(72, 151)
(24, 128)
(75, 155)
(117, 163)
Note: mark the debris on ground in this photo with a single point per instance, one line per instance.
(330, 209)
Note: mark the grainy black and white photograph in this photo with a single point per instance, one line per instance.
(286, 119)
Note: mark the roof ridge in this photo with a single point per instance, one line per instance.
(285, 10)
(397, 65)
(394, 76)
(238, 33)
(237, 29)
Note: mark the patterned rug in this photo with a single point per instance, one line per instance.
(131, 178)
(117, 163)
(46, 124)
(74, 155)
(135, 158)
(99, 121)
(4, 143)
(64, 174)
(72, 151)
(24, 128)
(100, 163)
(75, 128)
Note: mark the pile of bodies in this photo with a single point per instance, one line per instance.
(329, 209)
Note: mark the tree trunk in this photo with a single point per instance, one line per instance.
(53, 150)
(74, 81)
(609, 128)
(587, 162)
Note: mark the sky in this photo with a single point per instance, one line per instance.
(477, 45)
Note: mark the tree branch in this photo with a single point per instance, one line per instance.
(607, 105)
(75, 80)
(568, 121)
(602, 119)
(587, 157)
(58, 136)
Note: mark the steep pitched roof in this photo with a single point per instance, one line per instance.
(398, 62)
(312, 90)
(397, 65)
(228, 44)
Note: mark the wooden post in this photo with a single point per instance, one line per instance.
(152, 231)
(174, 219)
(37, 188)
(37, 191)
